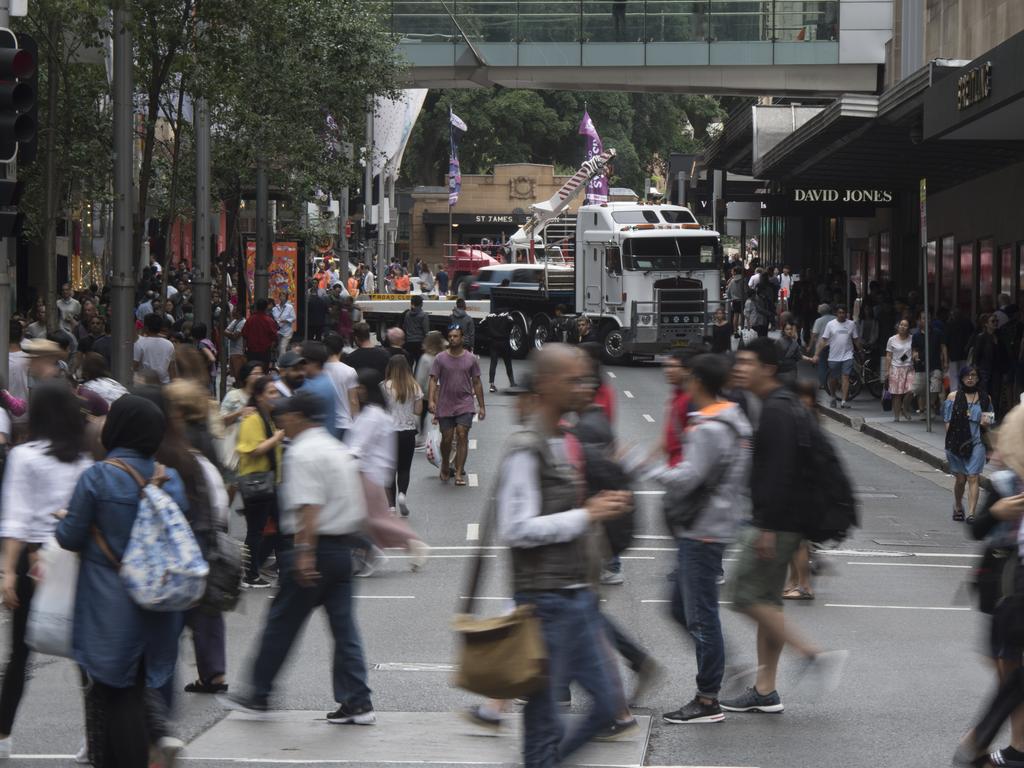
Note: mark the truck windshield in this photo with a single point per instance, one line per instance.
(671, 253)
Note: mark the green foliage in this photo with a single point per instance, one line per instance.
(510, 126)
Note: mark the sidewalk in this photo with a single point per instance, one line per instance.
(865, 415)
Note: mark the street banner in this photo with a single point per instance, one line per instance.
(456, 128)
(393, 121)
(597, 188)
(283, 268)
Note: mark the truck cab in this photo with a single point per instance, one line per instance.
(647, 275)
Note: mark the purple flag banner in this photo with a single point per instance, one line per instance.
(597, 188)
(456, 128)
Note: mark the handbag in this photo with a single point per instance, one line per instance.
(887, 399)
(257, 487)
(500, 657)
(51, 615)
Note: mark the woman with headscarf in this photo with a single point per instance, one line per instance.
(123, 648)
(39, 478)
(964, 412)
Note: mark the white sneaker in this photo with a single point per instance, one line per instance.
(5, 748)
(403, 508)
(82, 755)
(169, 749)
(612, 577)
(419, 552)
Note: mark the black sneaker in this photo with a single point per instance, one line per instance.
(695, 712)
(477, 716)
(346, 714)
(255, 709)
(493, 388)
(258, 583)
(620, 729)
(752, 701)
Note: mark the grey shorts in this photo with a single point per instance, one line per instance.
(448, 423)
(756, 581)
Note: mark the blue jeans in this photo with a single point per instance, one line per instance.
(293, 605)
(695, 607)
(573, 629)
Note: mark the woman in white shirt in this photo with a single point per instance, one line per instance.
(373, 441)
(405, 402)
(433, 345)
(899, 360)
(39, 479)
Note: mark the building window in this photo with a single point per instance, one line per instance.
(986, 275)
(966, 294)
(1006, 271)
(885, 256)
(947, 273)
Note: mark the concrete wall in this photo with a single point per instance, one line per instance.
(965, 29)
(864, 28)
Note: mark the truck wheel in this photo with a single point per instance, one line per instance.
(518, 341)
(461, 287)
(541, 332)
(613, 345)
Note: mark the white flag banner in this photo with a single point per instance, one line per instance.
(392, 127)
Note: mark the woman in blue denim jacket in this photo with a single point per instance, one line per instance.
(121, 647)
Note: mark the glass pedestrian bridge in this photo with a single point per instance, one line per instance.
(821, 46)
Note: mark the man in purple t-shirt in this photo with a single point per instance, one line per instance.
(454, 381)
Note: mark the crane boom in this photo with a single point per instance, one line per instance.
(543, 212)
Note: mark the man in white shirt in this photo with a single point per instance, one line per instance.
(346, 386)
(68, 309)
(841, 336)
(322, 511)
(154, 352)
(284, 316)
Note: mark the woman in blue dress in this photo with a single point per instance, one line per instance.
(965, 411)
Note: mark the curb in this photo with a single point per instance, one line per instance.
(906, 446)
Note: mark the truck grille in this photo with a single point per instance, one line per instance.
(681, 306)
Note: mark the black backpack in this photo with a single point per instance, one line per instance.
(603, 473)
(829, 507)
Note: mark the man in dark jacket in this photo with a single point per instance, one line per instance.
(766, 547)
(316, 313)
(461, 318)
(499, 329)
(416, 325)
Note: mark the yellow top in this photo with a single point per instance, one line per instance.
(250, 434)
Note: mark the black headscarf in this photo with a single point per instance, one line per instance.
(134, 423)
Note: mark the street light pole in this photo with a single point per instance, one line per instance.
(201, 300)
(8, 247)
(123, 282)
(261, 274)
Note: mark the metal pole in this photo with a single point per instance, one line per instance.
(927, 345)
(123, 291)
(261, 275)
(201, 300)
(368, 186)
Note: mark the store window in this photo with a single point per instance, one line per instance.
(986, 275)
(872, 258)
(947, 273)
(930, 266)
(1006, 271)
(885, 257)
(965, 294)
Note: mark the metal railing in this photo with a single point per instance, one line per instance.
(622, 21)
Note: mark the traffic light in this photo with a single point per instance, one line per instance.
(10, 220)
(17, 94)
(371, 232)
(27, 147)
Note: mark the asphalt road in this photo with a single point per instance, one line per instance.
(894, 598)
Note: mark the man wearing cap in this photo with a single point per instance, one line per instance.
(292, 366)
(322, 511)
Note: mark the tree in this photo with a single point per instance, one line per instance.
(507, 126)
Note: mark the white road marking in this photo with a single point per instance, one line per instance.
(637, 557)
(863, 495)
(627, 393)
(474, 480)
(648, 417)
(412, 666)
(881, 553)
(648, 493)
(720, 602)
(362, 760)
(900, 607)
(384, 597)
(439, 557)
(652, 549)
(472, 531)
(472, 444)
(611, 374)
(652, 536)
(912, 565)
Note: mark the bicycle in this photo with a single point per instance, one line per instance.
(863, 374)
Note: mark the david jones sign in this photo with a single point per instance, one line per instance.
(826, 195)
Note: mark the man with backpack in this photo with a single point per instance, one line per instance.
(783, 503)
(708, 499)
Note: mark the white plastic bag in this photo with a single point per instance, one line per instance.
(51, 615)
(434, 446)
